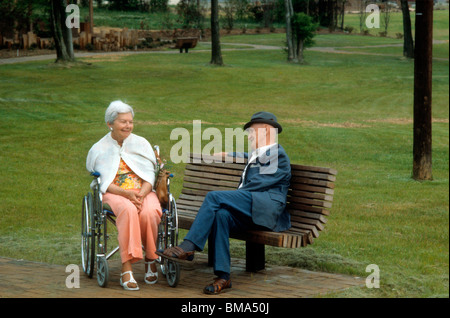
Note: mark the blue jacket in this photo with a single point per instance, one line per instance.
(268, 180)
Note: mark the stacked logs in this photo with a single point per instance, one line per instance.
(103, 39)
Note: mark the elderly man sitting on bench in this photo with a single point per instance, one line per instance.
(258, 203)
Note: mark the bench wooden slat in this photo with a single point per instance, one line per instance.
(191, 197)
(296, 219)
(304, 187)
(194, 192)
(296, 167)
(210, 181)
(197, 204)
(312, 182)
(198, 186)
(190, 208)
(313, 175)
(213, 158)
(213, 170)
(311, 195)
(211, 176)
(233, 166)
(307, 208)
(306, 235)
(315, 216)
(304, 226)
(324, 204)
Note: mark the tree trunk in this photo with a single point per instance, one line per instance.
(216, 54)
(422, 90)
(343, 14)
(292, 56)
(300, 46)
(61, 33)
(91, 16)
(408, 43)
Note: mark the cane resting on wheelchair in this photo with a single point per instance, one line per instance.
(127, 164)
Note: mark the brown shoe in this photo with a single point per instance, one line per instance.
(177, 254)
(217, 287)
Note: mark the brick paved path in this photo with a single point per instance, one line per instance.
(20, 278)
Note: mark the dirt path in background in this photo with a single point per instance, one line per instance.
(51, 55)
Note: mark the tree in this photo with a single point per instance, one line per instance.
(292, 53)
(229, 9)
(190, 14)
(303, 29)
(408, 43)
(362, 14)
(216, 54)
(61, 33)
(422, 90)
(386, 16)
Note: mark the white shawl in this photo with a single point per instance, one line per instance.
(104, 157)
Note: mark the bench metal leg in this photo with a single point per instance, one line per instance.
(255, 257)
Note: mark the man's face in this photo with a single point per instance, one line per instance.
(257, 135)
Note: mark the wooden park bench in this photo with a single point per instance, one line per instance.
(186, 43)
(309, 202)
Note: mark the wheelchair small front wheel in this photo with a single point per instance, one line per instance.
(102, 271)
(172, 270)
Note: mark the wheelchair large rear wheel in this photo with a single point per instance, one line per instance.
(171, 268)
(88, 235)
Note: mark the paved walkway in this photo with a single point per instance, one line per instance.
(26, 279)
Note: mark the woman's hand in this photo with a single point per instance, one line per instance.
(145, 189)
(135, 198)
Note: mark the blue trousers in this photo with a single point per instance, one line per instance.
(222, 212)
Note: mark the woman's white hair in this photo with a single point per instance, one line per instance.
(115, 108)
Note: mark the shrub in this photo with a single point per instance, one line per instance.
(159, 5)
(349, 29)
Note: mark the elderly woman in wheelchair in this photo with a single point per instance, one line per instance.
(126, 164)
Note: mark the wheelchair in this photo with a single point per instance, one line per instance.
(94, 236)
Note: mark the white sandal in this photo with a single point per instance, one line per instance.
(131, 280)
(150, 273)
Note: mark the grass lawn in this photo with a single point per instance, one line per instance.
(348, 112)
(395, 25)
(153, 21)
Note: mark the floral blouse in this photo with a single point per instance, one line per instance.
(126, 178)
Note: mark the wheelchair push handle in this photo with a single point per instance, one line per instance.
(95, 174)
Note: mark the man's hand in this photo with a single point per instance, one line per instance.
(221, 154)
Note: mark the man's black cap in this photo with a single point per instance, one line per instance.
(264, 118)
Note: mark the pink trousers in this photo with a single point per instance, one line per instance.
(136, 229)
